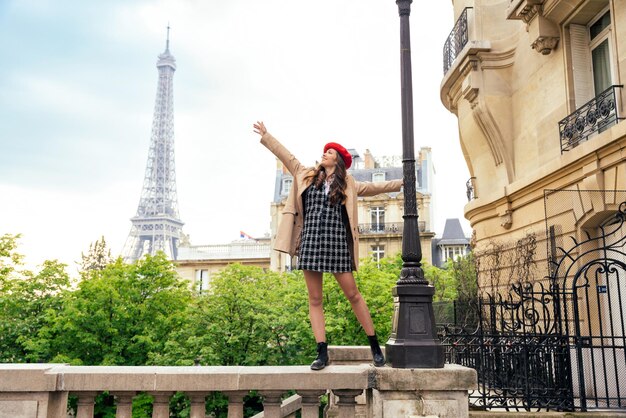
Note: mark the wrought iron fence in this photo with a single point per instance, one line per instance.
(596, 115)
(557, 343)
(456, 41)
(520, 357)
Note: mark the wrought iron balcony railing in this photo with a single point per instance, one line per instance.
(387, 228)
(596, 115)
(471, 189)
(381, 228)
(456, 41)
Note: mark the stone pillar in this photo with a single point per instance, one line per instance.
(346, 405)
(235, 403)
(161, 405)
(401, 393)
(442, 393)
(198, 404)
(85, 404)
(310, 402)
(271, 403)
(124, 403)
(351, 355)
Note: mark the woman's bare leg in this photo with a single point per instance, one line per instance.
(359, 307)
(313, 281)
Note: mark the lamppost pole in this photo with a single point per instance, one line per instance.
(413, 342)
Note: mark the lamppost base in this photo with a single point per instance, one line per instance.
(403, 355)
(414, 342)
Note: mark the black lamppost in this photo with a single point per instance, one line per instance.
(413, 342)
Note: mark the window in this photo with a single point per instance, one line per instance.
(378, 177)
(202, 280)
(600, 54)
(286, 186)
(452, 252)
(378, 218)
(378, 253)
(591, 57)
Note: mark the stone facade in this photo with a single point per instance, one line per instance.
(528, 88)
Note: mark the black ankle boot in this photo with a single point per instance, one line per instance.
(377, 354)
(322, 357)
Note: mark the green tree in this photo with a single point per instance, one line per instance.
(97, 258)
(464, 271)
(375, 283)
(26, 300)
(121, 316)
(9, 258)
(443, 281)
(248, 317)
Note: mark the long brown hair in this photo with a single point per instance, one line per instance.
(337, 193)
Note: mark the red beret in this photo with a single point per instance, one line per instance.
(347, 158)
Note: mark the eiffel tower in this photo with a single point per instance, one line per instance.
(156, 226)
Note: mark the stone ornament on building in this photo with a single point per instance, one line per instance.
(544, 32)
(525, 10)
(506, 220)
(545, 44)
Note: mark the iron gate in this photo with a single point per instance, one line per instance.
(556, 343)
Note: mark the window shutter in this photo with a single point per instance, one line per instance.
(581, 64)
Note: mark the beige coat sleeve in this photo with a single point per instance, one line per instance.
(282, 153)
(365, 188)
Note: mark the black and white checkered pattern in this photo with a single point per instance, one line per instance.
(323, 246)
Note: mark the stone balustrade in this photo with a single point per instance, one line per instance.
(42, 390)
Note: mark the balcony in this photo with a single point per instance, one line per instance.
(42, 390)
(456, 41)
(387, 228)
(596, 115)
(470, 189)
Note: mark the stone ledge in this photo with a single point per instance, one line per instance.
(207, 378)
(27, 378)
(350, 354)
(593, 414)
(451, 377)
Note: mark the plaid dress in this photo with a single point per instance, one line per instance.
(323, 244)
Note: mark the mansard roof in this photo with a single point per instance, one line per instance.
(453, 233)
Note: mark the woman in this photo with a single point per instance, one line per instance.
(319, 224)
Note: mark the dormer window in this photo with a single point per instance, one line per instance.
(286, 186)
(378, 177)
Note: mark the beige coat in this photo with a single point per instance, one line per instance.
(287, 238)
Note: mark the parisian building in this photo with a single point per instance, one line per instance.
(452, 244)
(537, 87)
(538, 90)
(198, 263)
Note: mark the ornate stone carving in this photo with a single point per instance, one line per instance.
(524, 10)
(545, 44)
(506, 220)
(544, 32)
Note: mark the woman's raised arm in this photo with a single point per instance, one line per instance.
(278, 149)
(365, 188)
(259, 128)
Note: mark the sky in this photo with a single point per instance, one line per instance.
(78, 83)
